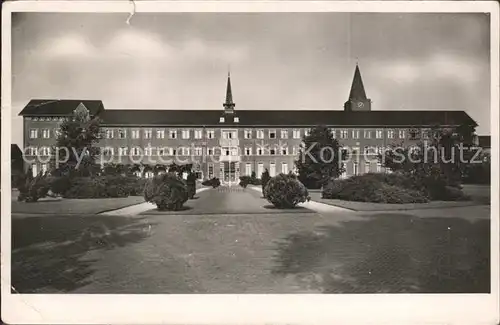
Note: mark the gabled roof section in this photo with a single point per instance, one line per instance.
(199, 118)
(60, 107)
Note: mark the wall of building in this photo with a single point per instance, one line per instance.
(206, 163)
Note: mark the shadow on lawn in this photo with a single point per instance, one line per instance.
(390, 254)
(47, 251)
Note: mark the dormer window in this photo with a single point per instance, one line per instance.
(236, 119)
(221, 120)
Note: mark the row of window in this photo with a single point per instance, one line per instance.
(248, 134)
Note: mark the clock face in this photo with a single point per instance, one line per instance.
(360, 104)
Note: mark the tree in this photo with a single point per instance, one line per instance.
(320, 158)
(265, 177)
(76, 141)
(443, 156)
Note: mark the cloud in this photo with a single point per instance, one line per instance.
(136, 43)
(71, 46)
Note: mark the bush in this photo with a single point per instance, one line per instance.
(31, 189)
(245, 181)
(98, 187)
(60, 184)
(372, 188)
(136, 185)
(168, 191)
(285, 191)
(214, 182)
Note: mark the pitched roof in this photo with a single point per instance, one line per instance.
(357, 88)
(115, 117)
(59, 107)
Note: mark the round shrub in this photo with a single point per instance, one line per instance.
(168, 191)
(285, 191)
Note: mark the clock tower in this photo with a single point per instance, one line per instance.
(357, 97)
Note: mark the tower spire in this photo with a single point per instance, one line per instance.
(229, 104)
(357, 100)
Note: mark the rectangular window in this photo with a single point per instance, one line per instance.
(122, 151)
(284, 151)
(33, 133)
(210, 171)
(107, 151)
(148, 151)
(160, 134)
(135, 151)
(355, 168)
(44, 168)
(210, 151)
(172, 134)
(272, 134)
(390, 134)
(307, 132)
(248, 134)
(45, 133)
(260, 134)
(334, 133)
(343, 134)
(425, 134)
(260, 170)
(248, 169)
(236, 119)
(34, 169)
(45, 151)
(148, 134)
(378, 134)
(272, 169)
(198, 151)
(185, 134)
(295, 151)
(367, 134)
(248, 151)
(284, 134)
(210, 134)
(284, 168)
(296, 134)
(355, 134)
(122, 134)
(221, 120)
(272, 152)
(260, 151)
(32, 151)
(401, 134)
(57, 132)
(135, 134)
(198, 134)
(379, 167)
(109, 134)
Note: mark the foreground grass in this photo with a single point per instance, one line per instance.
(75, 206)
(262, 253)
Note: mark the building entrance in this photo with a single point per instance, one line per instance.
(230, 172)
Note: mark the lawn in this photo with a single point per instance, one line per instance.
(75, 206)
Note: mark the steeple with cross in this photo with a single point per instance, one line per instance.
(357, 100)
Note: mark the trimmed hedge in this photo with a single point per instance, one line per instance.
(98, 186)
(285, 191)
(392, 188)
(168, 191)
(214, 182)
(249, 180)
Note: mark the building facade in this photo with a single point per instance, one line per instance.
(230, 142)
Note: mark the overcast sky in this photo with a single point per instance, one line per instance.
(277, 60)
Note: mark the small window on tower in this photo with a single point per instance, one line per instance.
(221, 120)
(236, 120)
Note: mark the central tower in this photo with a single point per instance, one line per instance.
(229, 104)
(357, 97)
